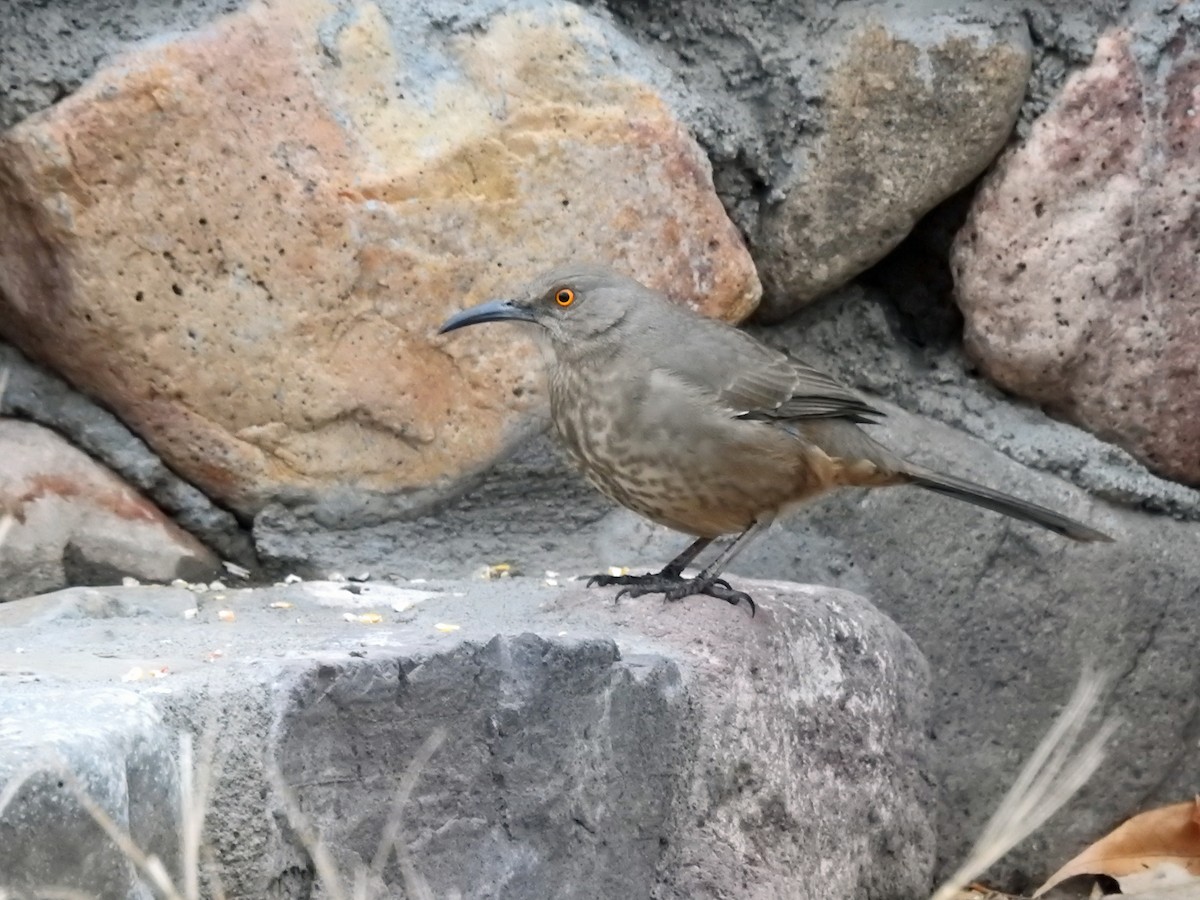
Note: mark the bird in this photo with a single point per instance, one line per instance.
(699, 426)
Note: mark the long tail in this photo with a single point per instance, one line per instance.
(960, 489)
(843, 440)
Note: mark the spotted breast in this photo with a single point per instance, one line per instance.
(625, 431)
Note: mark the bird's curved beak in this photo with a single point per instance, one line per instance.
(492, 311)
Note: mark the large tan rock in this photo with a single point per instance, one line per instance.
(71, 521)
(915, 107)
(1076, 269)
(243, 240)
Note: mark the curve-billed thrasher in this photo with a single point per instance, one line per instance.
(702, 428)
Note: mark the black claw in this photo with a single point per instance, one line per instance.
(673, 587)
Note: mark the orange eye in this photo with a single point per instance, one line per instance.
(564, 297)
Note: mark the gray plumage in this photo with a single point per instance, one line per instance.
(701, 427)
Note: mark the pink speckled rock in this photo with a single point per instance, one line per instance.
(1077, 269)
(65, 519)
(243, 240)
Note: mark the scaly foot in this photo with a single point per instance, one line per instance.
(673, 586)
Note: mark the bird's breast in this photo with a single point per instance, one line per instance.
(671, 455)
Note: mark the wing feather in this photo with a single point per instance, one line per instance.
(756, 381)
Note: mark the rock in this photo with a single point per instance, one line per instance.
(1076, 269)
(314, 194)
(48, 49)
(34, 393)
(592, 749)
(74, 522)
(901, 345)
(114, 744)
(914, 110)
(533, 509)
(1007, 614)
(833, 130)
(973, 585)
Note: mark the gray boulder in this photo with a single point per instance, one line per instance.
(114, 743)
(1007, 615)
(592, 749)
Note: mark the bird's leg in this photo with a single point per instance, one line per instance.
(707, 581)
(674, 569)
(672, 572)
(673, 586)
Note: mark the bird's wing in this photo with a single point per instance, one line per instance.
(758, 382)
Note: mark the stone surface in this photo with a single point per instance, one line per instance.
(593, 749)
(1007, 615)
(914, 110)
(1076, 269)
(74, 522)
(114, 742)
(34, 393)
(1005, 611)
(833, 129)
(753, 81)
(315, 187)
(49, 47)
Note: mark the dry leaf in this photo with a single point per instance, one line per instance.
(1170, 835)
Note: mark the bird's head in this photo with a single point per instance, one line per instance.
(576, 305)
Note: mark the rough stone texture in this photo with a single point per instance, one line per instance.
(314, 189)
(49, 47)
(32, 392)
(904, 343)
(533, 510)
(752, 80)
(593, 749)
(115, 744)
(1007, 615)
(75, 522)
(832, 130)
(1005, 611)
(1076, 269)
(1064, 34)
(913, 112)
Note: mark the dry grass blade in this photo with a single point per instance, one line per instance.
(6, 521)
(1057, 769)
(216, 887)
(322, 861)
(151, 866)
(190, 825)
(14, 787)
(391, 831)
(197, 774)
(415, 886)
